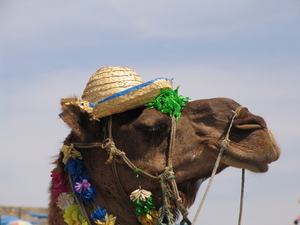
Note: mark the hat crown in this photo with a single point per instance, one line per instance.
(108, 81)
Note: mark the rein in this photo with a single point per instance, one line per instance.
(166, 178)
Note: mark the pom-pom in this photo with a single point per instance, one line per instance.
(64, 200)
(169, 102)
(99, 214)
(72, 215)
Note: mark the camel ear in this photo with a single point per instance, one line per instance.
(76, 113)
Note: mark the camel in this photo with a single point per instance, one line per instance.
(131, 156)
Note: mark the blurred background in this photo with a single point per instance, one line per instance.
(245, 50)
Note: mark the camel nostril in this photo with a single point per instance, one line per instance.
(249, 122)
(248, 126)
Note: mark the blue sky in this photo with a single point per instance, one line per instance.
(245, 50)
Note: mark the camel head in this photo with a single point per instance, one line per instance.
(143, 135)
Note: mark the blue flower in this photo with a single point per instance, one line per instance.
(74, 166)
(99, 214)
(87, 195)
(80, 177)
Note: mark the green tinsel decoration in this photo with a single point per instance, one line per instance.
(144, 207)
(169, 102)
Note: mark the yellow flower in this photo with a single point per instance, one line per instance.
(149, 219)
(72, 216)
(70, 151)
(109, 220)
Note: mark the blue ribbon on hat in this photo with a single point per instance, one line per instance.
(137, 87)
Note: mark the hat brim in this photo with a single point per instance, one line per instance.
(130, 98)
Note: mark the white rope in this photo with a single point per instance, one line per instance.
(224, 143)
(242, 197)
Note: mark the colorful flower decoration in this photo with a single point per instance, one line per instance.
(60, 185)
(65, 200)
(144, 207)
(99, 214)
(70, 151)
(109, 220)
(84, 185)
(169, 102)
(75, 167)
(148, 219)
(140, 194)
(72, 216)
(82, 189)
(87, 195)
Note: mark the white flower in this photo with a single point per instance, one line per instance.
(64, 200)
(140, 194)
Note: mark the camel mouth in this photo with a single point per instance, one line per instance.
(256, 168)
(252, 146)
(234, 156)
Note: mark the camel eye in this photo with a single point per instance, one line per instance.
(152, 126)
(154, 132)
(155, 128)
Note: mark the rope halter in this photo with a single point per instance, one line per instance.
(166, 178)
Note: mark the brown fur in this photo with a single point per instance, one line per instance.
(143, 134)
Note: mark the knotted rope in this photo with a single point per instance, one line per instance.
(168, 176)
(165, 210)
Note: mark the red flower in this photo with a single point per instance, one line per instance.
(59, 184)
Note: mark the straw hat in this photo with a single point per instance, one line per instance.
(114, 90)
